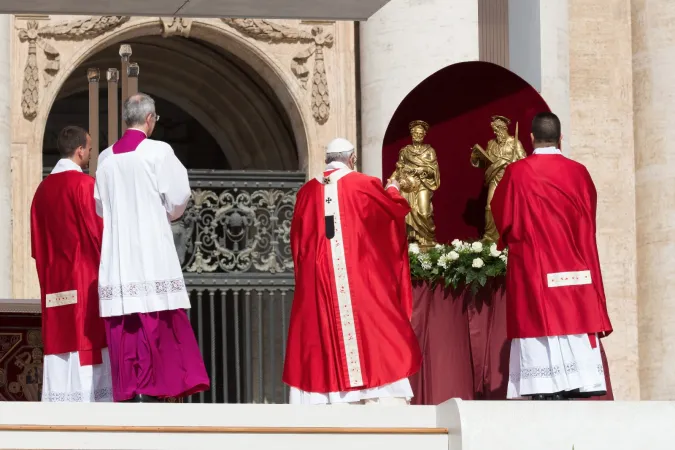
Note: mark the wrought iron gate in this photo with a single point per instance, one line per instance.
(234, 244)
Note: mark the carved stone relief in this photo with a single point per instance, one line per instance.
(258, 29)
(268, 31)
(35, 36)
(176, 26)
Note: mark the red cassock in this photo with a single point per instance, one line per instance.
(350, 322)
(544, 209)
(66, 238)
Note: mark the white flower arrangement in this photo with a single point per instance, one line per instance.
(461, 263)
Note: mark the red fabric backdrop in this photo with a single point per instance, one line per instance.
(457, 102)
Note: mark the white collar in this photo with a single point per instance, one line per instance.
(335, 165)
(65, 165)
(136, 129)
(547, 151)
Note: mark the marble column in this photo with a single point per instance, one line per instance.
(401, 45)
(5, 161)
(653, 25)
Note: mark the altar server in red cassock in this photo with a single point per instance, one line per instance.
(544, 209)
(350, 338)
(141, 187)
(66, 246)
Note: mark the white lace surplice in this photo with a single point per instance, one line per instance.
(138, 193)
(65, 380)
(554, 364)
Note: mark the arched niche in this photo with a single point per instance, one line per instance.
(457, 102)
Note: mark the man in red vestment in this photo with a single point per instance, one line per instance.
(544, 209)
(350, 338)
(66, 245)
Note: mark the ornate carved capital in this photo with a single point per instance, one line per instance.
(133, 70)
(125, 51)
(93, 75)
(113, 75)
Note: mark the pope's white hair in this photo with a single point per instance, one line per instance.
(137, 108)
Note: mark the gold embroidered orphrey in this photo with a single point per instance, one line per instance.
(501, 151)
(418, 175)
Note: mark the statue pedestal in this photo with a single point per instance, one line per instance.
(464, 345)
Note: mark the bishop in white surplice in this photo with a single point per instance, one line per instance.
(141, 187)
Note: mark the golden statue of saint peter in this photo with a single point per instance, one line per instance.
(418, 176)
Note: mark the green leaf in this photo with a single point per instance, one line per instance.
(470, 276)
(482, 279)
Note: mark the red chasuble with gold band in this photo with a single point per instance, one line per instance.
(544, 209)
(66, 245)
(350, 322)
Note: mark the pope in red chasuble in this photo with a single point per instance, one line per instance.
(544, 209)
(350, 338)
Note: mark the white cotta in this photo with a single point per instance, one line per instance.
(65, 380)
(553, 364)
(138, 194)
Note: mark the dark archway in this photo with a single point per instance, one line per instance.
(209, 102)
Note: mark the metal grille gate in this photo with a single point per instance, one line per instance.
(234, 244)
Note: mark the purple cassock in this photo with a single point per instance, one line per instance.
(151, 353)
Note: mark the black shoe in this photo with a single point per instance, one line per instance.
(539, 397)
(142, 398)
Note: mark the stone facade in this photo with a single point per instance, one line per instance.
(605, 70)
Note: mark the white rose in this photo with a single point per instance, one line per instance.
(494, 252)
(476, 247)
(456, 243)
(414, 249)
(503, 258)
(453, 255)
(443, 261)
(438, 247)
(477, 263)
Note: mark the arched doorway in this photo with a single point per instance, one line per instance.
(204, 94)
(229, 128)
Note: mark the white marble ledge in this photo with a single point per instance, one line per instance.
(471, 425)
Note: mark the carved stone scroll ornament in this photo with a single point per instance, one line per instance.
(269, 31)
(176, 26)
(74, 30)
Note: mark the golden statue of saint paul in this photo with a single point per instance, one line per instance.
(501, 151)
(418, 176)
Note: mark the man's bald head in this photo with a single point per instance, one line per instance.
(137, 108)
(546, 130)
